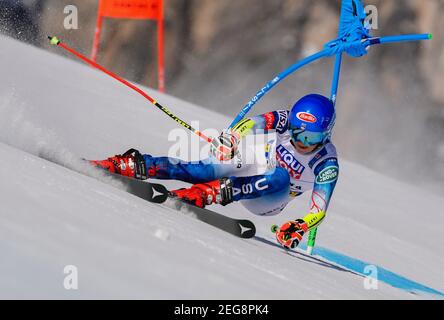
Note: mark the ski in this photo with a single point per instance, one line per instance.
(158, 194)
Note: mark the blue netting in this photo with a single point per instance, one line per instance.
(351, 30)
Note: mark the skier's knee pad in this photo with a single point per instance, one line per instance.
(269, 205)
(260, 186)
(279, 180)
(266, 195)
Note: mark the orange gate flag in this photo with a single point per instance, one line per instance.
(133, 9)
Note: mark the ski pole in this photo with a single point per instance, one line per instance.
(312, 240)
(55, 41)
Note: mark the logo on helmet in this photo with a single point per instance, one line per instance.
(306, 117)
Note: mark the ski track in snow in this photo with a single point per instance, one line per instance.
(55, 109)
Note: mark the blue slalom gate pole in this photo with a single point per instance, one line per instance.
(402, 38)
(354, 38)
(270, 85)
(336, 76)
(333, 97)
(333, 49)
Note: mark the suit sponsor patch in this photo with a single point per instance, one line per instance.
(288, 161)
(282, 121)
(328, 175)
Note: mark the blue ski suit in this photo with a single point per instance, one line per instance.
(265, 194)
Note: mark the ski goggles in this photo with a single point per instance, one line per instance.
(308, 138)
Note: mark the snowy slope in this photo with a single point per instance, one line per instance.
(123, 247)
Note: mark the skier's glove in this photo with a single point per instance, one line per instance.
(225, 147)
(291, 233)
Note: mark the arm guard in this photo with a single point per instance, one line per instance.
(277, 120)
(327, 173)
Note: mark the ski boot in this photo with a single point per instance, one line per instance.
(201, 195)
(131, 164)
